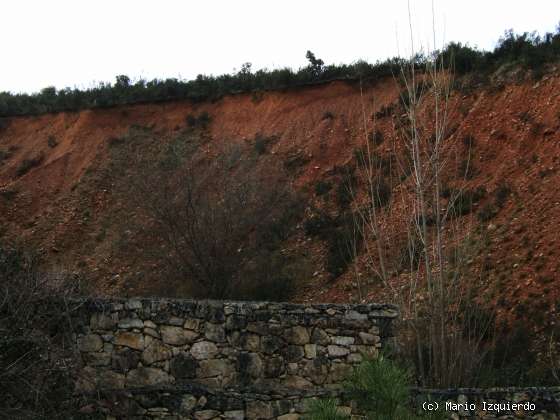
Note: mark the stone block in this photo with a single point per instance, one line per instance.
(339, 372)
(343, 341)
(188, 403)
(175, 321)
(260, 328)
(130, 323)
(259, 410)
(274, 367)
(235, 322)
(107, 379)
(133, 304)
(249, 366)
(369, 338)
(337, 351)
(355, 316)
(215, 332)
(292, 354)
(251, 342)
(130, 339)
(297, 335)
(155, 352)
(271, 344)
(310, 351)
(102, 321)
(354, 358)
(292, 416)
(145, 376)
(183, 366)
(206, 414)
(97, 359)
(150, 324)
(89, 343)
(298, 382)
(151, 333)
(177, 336)
(319, 336)
(204, 350)
(124, 360)
(316, 369)
(215, 367)
(192, 324)
(234, 415)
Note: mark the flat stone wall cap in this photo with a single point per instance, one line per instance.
(100, 304)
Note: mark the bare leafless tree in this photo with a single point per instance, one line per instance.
(37, 358)
(216, 219)
(442, 320)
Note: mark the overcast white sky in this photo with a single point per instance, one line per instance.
(80, 42)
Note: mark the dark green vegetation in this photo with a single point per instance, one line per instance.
(528, 50)
(27, 164)
(381, 391)
(37, 363)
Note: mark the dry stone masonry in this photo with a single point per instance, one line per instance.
(289, 352)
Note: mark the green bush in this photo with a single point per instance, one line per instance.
(273, 276)
(318, 224)
(115, 141)
(328, 115)
(51, 142)
(37, 358)
(8, 194)
(202, 121)
(262, 142)
(7, 154)
(381, 193)
(344, 190)
(27, 164)
(325, 409)
(501, 194)
(469, 141)
(467, 169)
(376, 137)
(380, 389)
(322, 187)
(464, 200)
(487, 212)
(343, 242)
(385, 111)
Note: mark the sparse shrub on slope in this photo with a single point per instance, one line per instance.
(221, 227)
(322, 187)
(201, 121)
(263, 142)
(328, 115)
(27, 164)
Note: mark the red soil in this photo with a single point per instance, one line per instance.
(517, 132)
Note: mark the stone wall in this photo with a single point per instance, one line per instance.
(203, 360)
(193, 401)
(152, 342)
